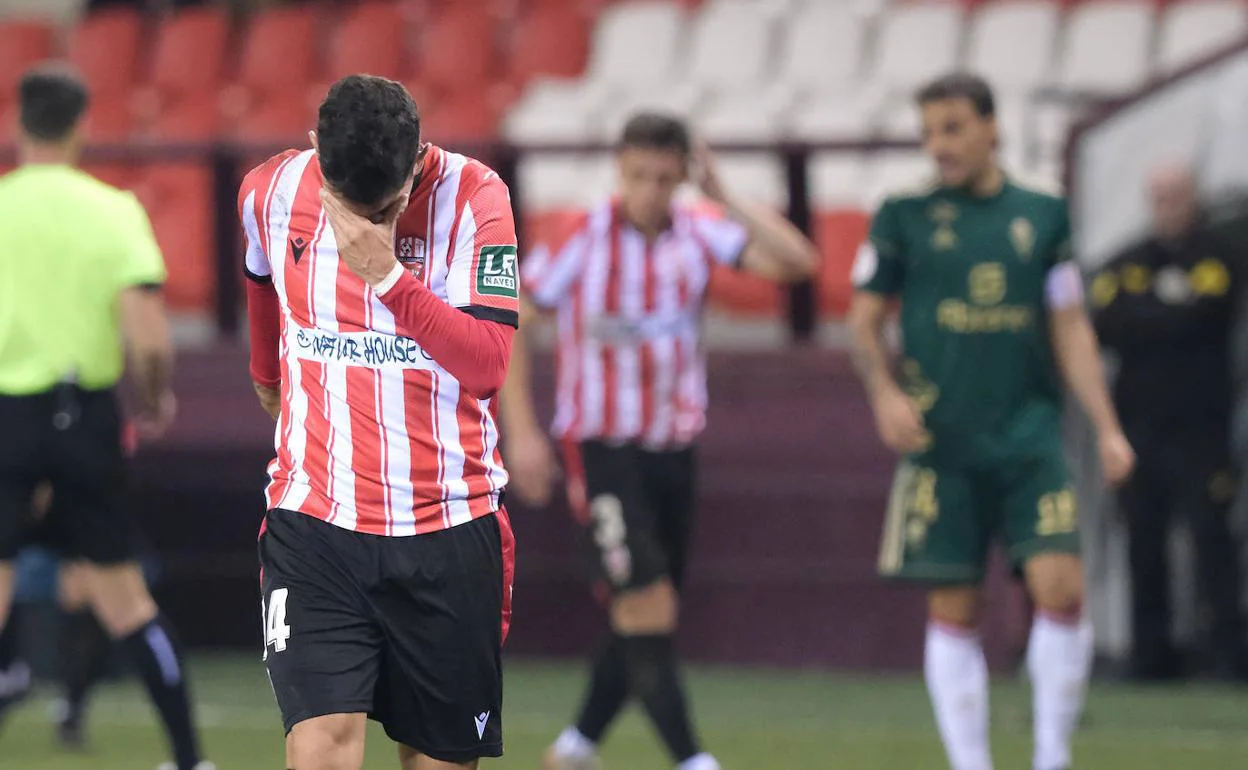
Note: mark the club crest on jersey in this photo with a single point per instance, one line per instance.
(496, 272)
(944, 239)
(412, 251)
(1023, 236)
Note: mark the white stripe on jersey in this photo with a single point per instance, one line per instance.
(593, 310)
(632, 304)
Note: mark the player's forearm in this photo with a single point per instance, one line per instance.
(264, 325)
(1078, 356)
(150, 345)
(474, 351)
(151, 372)
(516, 406)
(868, 349)
(790, 253)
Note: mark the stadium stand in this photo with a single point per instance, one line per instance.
(570, 71)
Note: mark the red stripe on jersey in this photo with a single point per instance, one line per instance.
(426, 470)
(650, 292)
(368, 463)
(470, 417)
(611, 309)
(316, 426)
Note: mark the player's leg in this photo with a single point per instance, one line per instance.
(85, 651)
(935, 534)
(18, 478)
(322, 646)
(607, 691)
(1042, 530)
(441, 601)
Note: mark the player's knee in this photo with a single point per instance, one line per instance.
(956, 606)
(411, 759)
(72, 588)
(331, 742)
(652, 609)
(1055, 582)
(119, 597)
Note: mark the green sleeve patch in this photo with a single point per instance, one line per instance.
(496, 272)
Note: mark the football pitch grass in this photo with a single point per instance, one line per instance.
(752, 719)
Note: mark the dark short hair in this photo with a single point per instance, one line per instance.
(652, 131)
(368, 136)
(52, 99)
(960, 85)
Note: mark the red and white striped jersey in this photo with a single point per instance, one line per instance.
(374, 435)
(631, 366)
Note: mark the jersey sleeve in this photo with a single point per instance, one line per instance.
(879, 267)
(1063, 285)
(255, 261)
(482, 280)
(1061, 250)
(140, 262)
(725, 239)
(553, 267)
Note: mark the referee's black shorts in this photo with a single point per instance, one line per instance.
(637, 506)
(72, 439)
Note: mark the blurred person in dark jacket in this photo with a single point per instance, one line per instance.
(1166, 307)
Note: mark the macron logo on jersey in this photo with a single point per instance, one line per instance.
(482, 720)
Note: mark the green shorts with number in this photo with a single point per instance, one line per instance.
(941, 521)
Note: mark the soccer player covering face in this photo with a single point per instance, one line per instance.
(386, 553)
(993, 323)
(627, 288)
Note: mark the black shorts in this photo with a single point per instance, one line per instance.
(638, 510)
(70, 438)
(405, 629)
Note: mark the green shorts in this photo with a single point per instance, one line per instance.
(941, 521)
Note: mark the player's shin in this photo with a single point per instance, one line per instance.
(957, 681)
(157, 657)
(1059, 658)
(607, 693)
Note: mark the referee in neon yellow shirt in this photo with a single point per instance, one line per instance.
(79, 272)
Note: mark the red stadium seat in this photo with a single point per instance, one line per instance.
(22, 43)
(277, 120)
(838, 233)
(459, 50)
(186, 71)
(109, 120)
(178, 197)
(371, 38)
(106, 48)
(459, 117)
(123, 175)
(549, 40)
(186, 120)
(278, 60)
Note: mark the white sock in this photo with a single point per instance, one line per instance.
(1059, 657)
(572, 745)
(957, 680)
(701, 761)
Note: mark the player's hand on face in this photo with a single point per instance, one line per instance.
(900, 422)
(1117, 457)
(365, 245)
(704, 172)
(531, 466)
(154, 422)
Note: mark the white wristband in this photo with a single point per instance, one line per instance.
(387, 283)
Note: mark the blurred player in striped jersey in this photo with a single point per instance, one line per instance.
(627, 289)
(386, 553)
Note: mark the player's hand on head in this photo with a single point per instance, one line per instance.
(900, 422)
(704, 171)
(531, 466)
(1117, 457)
(365, 244)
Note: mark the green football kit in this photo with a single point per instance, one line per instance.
(971, 274)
